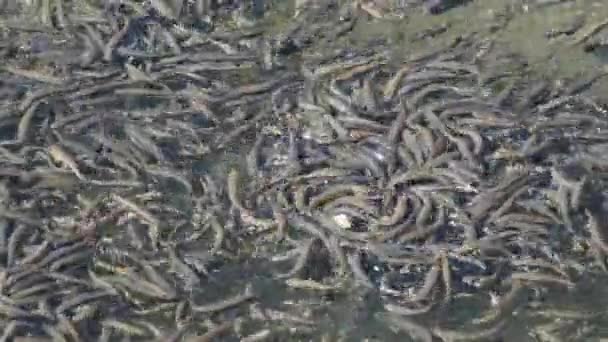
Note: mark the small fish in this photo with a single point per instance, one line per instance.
(62, 156)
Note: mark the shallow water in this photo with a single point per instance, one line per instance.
(520, 27)
(514, 27)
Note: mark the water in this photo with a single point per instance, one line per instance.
(518, 27)
(501, 27)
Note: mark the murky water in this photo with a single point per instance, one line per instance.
(512, 27)
(534, 31)
(553, 39)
